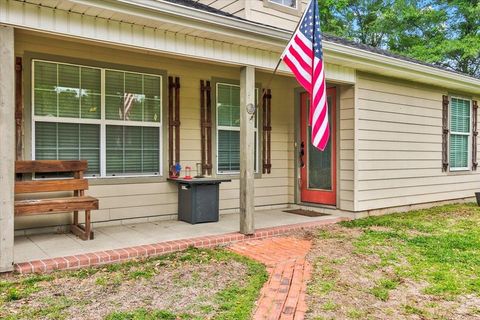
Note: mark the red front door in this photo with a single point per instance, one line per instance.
(318, 168)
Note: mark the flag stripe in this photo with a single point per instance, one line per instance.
(305, 58)
(304, 82)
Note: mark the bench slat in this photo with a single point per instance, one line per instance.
(55, 205)
(49, 166)
(32, 186)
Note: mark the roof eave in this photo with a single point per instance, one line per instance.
(377, 63)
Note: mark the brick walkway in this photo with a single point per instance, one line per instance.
(283, 296)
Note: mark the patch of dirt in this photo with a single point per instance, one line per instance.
(343, 279)
(187, 287)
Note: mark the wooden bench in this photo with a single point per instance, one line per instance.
(75, 202)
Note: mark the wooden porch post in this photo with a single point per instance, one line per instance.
(7, 146)
(247, 122)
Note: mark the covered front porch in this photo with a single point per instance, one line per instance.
(237, 72)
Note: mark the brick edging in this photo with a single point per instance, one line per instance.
(157, 249)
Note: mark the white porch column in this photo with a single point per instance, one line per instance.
(7, 146)
(247, 122)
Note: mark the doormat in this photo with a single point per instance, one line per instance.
(308, 213)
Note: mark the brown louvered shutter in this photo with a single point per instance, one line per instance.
(445, 132)
(173, 121)
(474, 134)
(267, 130)
(206, 126)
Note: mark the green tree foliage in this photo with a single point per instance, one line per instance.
(442, 32)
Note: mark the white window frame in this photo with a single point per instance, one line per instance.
(103, 122)
(229, 128)
(281, 3)
(469, 134)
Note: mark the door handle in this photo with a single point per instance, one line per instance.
(301, 154)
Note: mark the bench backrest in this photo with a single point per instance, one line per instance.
(77, 183)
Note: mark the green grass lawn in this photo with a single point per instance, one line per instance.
(193, 284)
(424, 264)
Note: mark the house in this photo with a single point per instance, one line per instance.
(127, 85)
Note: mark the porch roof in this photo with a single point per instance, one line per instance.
(174, 27)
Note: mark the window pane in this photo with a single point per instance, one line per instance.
(152, 110)
(114, 83)
(45, 141)
(91, 106)
(152, 87)
(458, 151)
(133, 150)
(45, 88)
(45, 103)
(114, 107)
(68, 91)
(228, 104)
(460, 115)
(68, 135)
(45, 75)
(68, 141)
(91, 80)
(151, 149)
(91, 93)
(90, 146)
(133, 96)
(114, 89)
(68, 104)
(132, 106)
(228, 151)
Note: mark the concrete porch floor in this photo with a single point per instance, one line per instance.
(44, 246)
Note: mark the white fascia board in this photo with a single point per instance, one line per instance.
(193, 18)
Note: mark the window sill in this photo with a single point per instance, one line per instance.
(235, 176)
(94, 181)
(460, 171)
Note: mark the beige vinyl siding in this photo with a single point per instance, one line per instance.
(144, 198)
(346, 140)
(258, 12)
(400, 144)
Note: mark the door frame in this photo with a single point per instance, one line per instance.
(297, 105)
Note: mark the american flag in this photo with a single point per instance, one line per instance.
(304, 56)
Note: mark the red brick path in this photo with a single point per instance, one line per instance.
(283, 296)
